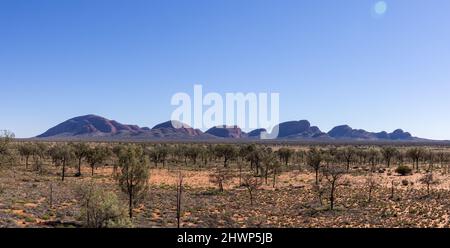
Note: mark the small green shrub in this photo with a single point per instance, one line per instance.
(403, 170)
(101, 209)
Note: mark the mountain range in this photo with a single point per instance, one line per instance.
(93, 127)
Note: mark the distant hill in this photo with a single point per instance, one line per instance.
(227, 132)
(299, 129)
(92, 127)
(346, 132)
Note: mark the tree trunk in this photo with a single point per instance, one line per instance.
(332, 196)
(63, 170)
(317, 176)
(130, 202)
(79, 166)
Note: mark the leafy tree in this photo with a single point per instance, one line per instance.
(81, 151)
(193, 152)
(6, 156)
(275, 167)
(415, 154)
(26, 150)
(39, 154)
(388, 154)
(372, 157)
(254, 157)
(285, 154)
(62, 155)
(116, 150)
(443, 158)
(430, 156)
(225, 151)
(314, 159)
(348, 155)
(96, 156)
(134, 175)
(205, 155)
(158, 154)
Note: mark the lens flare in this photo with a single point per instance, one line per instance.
(380, 8)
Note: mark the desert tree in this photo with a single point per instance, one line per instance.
(372, 157)
(179, 197)
(225, 151)
(268, 160)
(284, 155)
(415, 154)
(333, 175)
(348, 155)
(116, 150)
(388, 154)
(81, 151)
(39, 156)
(220, 176)
(193, 152)
(300, 158)
(243, 154)
(6, 155)
(26, 150)
(443, 158)
(275, 168)
(62, 155)
(97, 155)
(371, 185)
(158, 154)
(314, 159)
(430, 156)
(205, 155)
(134, 175)
(251, 183)
(163, 153)
(254, 157)
(393, 184)
(152, 155)
(362, 155)
(428, 180)
(400, 157)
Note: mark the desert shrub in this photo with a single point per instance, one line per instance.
(7, 158)
(403, 170)
(101, 209)
(220, 176)
(251, 183)
(333, 180)
(134, 175)
(428, 180)
(405, 182)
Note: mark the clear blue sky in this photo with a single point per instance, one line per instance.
(333, 62)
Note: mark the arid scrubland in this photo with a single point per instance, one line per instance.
(58, 184)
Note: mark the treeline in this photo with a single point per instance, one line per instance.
(253, 164)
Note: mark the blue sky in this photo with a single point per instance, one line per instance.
(333, 62)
